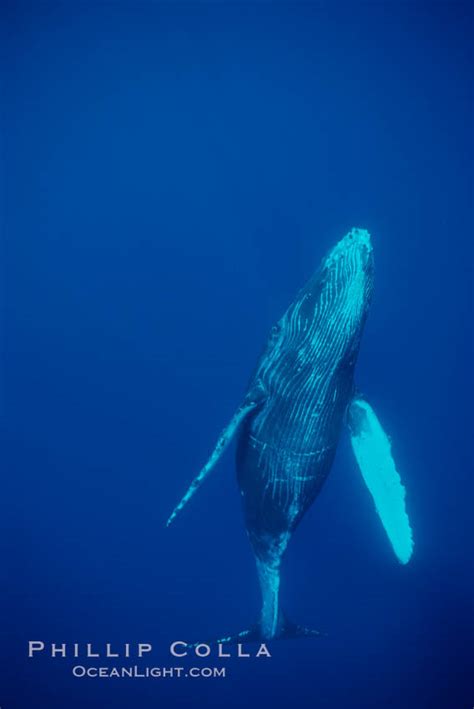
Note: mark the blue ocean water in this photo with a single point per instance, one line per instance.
(173, 173)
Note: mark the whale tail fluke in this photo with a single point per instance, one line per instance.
(273, 622)
(294, 630)
(251, 634)
(255, 634)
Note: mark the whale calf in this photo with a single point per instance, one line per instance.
(290, 421)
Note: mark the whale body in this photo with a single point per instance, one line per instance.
(290, 422)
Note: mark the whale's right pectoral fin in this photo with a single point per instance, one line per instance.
(252, 401)
(372, 450)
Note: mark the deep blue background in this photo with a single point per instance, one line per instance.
(172, 175)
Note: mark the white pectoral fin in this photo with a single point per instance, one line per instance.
(372, 450)
(250, 403)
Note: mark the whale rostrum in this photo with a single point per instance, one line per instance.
(290, 421)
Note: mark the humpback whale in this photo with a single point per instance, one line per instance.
(290, 420)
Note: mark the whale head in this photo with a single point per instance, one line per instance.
(346, 277)
(326, 319)
(335, 302)
(338, 294)
(350, 257)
